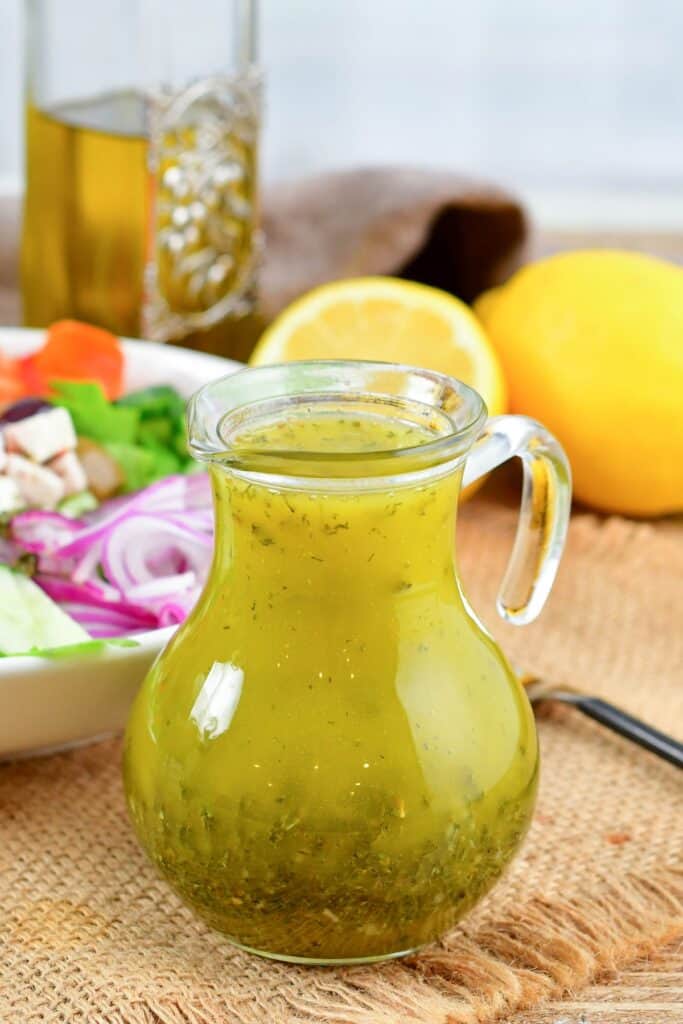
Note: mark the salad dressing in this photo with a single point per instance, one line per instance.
(332, 760)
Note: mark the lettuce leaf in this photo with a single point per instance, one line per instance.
(142, 465)
(94, 416)
(143, 431)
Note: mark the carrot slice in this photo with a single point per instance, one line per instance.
(33, 382)
(78, 351)
(12, 385)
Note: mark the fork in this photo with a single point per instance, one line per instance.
(632, 728)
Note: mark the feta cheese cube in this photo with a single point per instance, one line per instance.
(10, 495)
(68, 468)
(38, 486)
(3, 454)
(42, 436)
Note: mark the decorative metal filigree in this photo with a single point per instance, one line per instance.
(204, 239)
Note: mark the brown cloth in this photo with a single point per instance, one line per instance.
(89, 934)
(435, 227)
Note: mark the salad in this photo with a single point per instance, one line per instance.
(106, 527)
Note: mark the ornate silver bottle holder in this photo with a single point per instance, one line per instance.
(203, 241)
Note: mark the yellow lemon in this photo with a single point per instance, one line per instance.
(592, 345)
(387, 319)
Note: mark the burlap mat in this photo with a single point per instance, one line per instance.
(88, 934)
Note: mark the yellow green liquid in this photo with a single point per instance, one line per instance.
(332, 759)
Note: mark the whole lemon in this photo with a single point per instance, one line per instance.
(592, 345)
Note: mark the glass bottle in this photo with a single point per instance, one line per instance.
(142, 123)
(332, 760)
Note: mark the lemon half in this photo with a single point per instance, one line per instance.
(387, 319)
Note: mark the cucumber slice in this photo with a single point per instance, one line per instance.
(30, 620)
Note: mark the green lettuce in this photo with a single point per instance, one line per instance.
(143, 431)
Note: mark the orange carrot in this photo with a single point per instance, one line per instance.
(11, 382)
(76, 351)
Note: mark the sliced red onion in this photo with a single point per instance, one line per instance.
(198, 519)
(105, 630)
(38, 530)
(91, 596)
(162, 587)
(172, 614)
(86, 566)
(107, 591)
(145, 546)
(153, 548)
(53, 565)
(174, 494)
(66, 590)
(88, 616)
(177, 610)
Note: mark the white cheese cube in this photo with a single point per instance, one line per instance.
(68, 468)
(3, 454)
(42, 436)
(10, 495)
(39, 487)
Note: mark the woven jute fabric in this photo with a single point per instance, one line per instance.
(88, 933)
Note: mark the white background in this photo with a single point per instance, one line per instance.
(560, 98)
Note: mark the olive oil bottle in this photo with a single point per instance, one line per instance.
(140, 211)
(86, 213)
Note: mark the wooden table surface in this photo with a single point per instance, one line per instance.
(648, 992)
(651, 991)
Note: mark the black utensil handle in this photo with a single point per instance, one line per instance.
(632, 728)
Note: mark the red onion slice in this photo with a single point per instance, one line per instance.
(153, 548)
(161, 587)
(91, 596)
(38, 530)
(143, 547)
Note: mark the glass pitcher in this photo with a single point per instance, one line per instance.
(141, 130)
(332, 760)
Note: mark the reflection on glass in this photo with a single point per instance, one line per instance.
(217, 700)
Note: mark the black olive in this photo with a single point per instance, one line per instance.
(22, 409)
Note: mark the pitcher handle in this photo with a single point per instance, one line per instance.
(544, 512)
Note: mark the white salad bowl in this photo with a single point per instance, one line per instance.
(49, 704)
